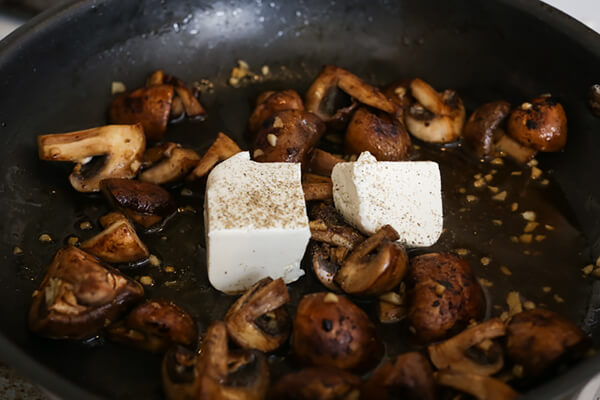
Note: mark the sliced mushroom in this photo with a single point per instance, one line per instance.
(222, 148)
(443, 296)
(328, 226)
(147, 204)
(399, 93)
(541, 124)
(330, 331)
(177, 373)
(409, 376)
(269, 103)
(158, 153)
(118, 243)
(326, 263)
(149, 106)
(459, 353)
(391, 307)
(119, 149)
(539, 339)
(317, 384)
(435, 117)
(191, 105)
(321, 162)
(322, 98)
(258, 319)
(375, 266)
(110, 218)
(287, 136)
(481, 387)
(317, 189)
(155, 325)
(79, 296)
(379, 133)
(175, 167)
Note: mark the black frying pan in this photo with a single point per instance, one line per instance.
(56, 73)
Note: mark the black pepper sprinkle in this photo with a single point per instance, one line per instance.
(327, 325)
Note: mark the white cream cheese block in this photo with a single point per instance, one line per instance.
(256, 223)
(404, 194)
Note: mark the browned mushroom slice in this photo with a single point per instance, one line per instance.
(118, 243)
(540, 339)
(375, 266)
(443, 296)
(145, 203)
(177, 372)
(327, 226)
(330, 331)
(317, 384)
(379, 133)
(409, 376)
(155, 325)
(472, 350)
(482, 127)
(185, 101)
(258, 319)
(321, 162)
(287, 136)
(515, 150)
(326, 262)
(269, 103)
(224, 374)
(222, 148)
(110, 218)
(156, 78)
(390, 311)
(157, 153)
(541, 124)
(399, 93)
(317, 187)
(79, 296)
(323, 94)
(149, 106)
(173, 168)
(118, 150)
(435, 117)
(481, 387)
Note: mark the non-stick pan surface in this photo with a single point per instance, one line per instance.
(56, 74)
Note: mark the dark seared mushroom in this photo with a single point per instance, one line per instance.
(317, 384)
(155, 325)
(379, 133)
(472, 350)
(146, 203)
(541, 124)
(177, 373)
(118, 150)
(443, 296)
(149, 106)
(258, 319)
(540, 339)
(375, 266)
(322, 98)
(287, 136)
(330, 331)
(328, 226)
(79, 296)
(176, 166)
(321, 162)
(479, 386)
(435, 117)
(326, 260)
(222, 148)
(118, 243)
(594, 99)
(268, 103)
(409, 376)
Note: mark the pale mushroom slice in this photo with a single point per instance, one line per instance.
(258, 319)
(454, 353)
(118, 148)
(435, 117)
(479, 386)
(117, 244)
(222, 148)
(173, 168)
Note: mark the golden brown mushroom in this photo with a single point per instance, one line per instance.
(321, 162)
(258, 319)
(540, 339)
(409, 376)
(379, 133)
(222, 148)
(176, 166)
(79, 296)
(328, 226)
(443, 296)
(480, 386)
(326, 261)
(435, 117)
(268, 103)
(460, 352)
(316, 187)
(541, 124)
(118, 243)
(330, 331)
(118, 149)
(317, 384)
(375, 266)
(155, 325)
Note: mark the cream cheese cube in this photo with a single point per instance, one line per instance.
(404, 194)
(256, 223)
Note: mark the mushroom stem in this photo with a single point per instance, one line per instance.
(321, 162)
(482, 387)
